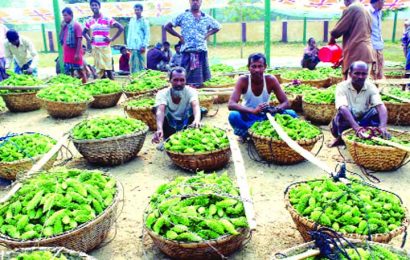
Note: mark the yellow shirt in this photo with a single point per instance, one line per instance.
(358, 103)
(22, 54)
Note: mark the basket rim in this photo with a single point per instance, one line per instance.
(78, 229)
(144, 91)
(66, 103)
(107, 95)
(108, 139)
(228, 148)
(20, 93)
(322, 103)
(220, 86)
(273, 140)
(306, 80)
(62, 250)
(396, 104)
(292, 210)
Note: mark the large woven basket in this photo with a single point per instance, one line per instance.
(335, 80)
(211, 249)
(11, 170)
(398, 113)
(22, 102)
(207, 161)
(277, 151)
(106, 101)
(145, 92)
(291, 99)
(376, 157)
(112, 151)
(297, 250)
(320, 83)
(57, 251)
(222, 98)
(395, 76)
(64, 109)
(319, 113)
(145, 114)
(304, 225)
(207, 102)
(84, 238)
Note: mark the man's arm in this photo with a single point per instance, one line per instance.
(86, 34)
(382, 110)
(211, 32)
(279, 93)
(233, 104)
(197, 113)
(8, 55)
(147, 36)
(347, 115)
(170, 28)
(34, 54)
(120, 29)
(160, 116)
(342, 25)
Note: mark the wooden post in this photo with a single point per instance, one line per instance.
(285, 31)
(57, 23)
(325, 31)
(267, 31)
(393, 38)
(43, 33)
(304, 30)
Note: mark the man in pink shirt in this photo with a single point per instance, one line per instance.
(100, 26)
(3, 30)
(71, 38)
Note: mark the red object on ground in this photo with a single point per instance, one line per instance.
(330, 53)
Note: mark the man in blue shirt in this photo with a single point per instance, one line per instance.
(196, 27)
(375, 10)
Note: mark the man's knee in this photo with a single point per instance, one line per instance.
(234, 116)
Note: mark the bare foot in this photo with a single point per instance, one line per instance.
(336, 142)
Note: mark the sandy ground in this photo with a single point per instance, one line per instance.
(140, 177)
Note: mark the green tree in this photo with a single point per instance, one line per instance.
(242, 10)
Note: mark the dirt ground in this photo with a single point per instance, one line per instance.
(140, 177)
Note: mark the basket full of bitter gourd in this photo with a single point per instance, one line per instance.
(224, 83)
(109, 140)
(106, 93)
(21, 100)
(204, 149)
(315, 78)
(45, 253)
(145, 85)
(319, 106)
(374, 155)
(65, 101)
(19, 152)
(272, 148)
(69, 208)
(299, 91)
(356, 210)
(398, 112)
(201, 217)
(141, 108)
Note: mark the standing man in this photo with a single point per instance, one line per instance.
(22, 51)
(355, 27)
(71, 39)
(3, 30)
(100, 26)
(375, 10)
(177, 57)
(196, 27)
(406, 43)
(138, 38)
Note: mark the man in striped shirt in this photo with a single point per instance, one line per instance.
(100, 40)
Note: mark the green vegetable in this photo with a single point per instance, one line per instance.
(146, 83)
(106, 126)
(372, 252)
(181, 210)
(304, 74)
(394, 73)
(221, 68)
(64, 79)
(20, 80)
(299, 89)
(296, 129)
(141, 102)
(396, 92)
(398, 140)
(65, 93)
(191, 140)
(320, 97)
(103, 86)
(46, 206)
(219, 81)
(149, 74)
(25, 146)
(41, 255)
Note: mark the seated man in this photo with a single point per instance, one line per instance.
(256, 89)
(124, 61)
(155, 56)
(310, 55)
(22, 51)
(176, 107)
(359, 105)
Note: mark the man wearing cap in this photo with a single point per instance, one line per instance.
(100, 26)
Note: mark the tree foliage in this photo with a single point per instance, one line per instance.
(242, 10)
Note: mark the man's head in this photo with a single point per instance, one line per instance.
(123, 50)
(349, 2)
(158, 46)
(67, 14)
(177, 78)
(195, 4)
(312, 42)
(138, 8)
(257, 64)
(358, 72)
(406, 24)
(95, 6)
(377, 4)
(177, 48)
(167, 45)
(13, 37)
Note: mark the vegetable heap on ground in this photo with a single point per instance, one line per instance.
(55, 202)
(404, 140)
(193, 209)
(106, 126)
(102, 87)
(320, 97)
(299, 89)
(221, 68)
(25, 146)
(146, 83)
(43, 255)
(304, 74)
(372, 252)
(396, 92)
(64, 79)
(219, 81)
(356, 208)
(65, 93)
(296, 129)
(141, 102)
(198, 140)
(20, 80)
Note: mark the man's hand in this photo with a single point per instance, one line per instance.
(159, 134)
(384, 132)
(260, 108)
(361, 132)
(29, 71)
(142, 50)
(107, 39)
(332, 41)
(196, 124)
(338, 64)
(181, 39)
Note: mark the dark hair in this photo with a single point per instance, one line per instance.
(139, 6)
(122, 48)
(311, 39)
(95, 1)
(177, 70)
(354, 64)
(12, 35)
(166, 43)
(68, 11)
(255, 57)
(177, 45)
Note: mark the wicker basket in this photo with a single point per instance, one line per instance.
(376, 157)
(398, 113)
(207, 102)
(320, 83)
(106, 101)
(207, 161)
(335, 80)
(319, 113)
(111, 151)
(291, 99)
(57, 251)
(297, 250)
(64, 109)
(222, 98)
(11, 170)
(84, 238)
(304, 225)
(225, 245)
(22, 102)
(277, 151)
(395, 76)
(144, 114)
(145, 92)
